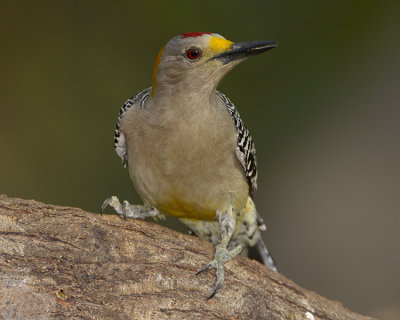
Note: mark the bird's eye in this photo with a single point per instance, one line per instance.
(193, 54)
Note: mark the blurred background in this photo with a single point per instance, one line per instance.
(323, 109)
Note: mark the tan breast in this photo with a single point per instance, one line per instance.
(184, 162)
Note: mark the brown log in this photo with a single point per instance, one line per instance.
(66, 263)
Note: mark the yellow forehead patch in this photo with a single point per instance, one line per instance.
(218, 45)
(156, 69)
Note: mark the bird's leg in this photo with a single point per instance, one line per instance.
(126, 210)
(227, 222)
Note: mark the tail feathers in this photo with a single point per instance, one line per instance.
(260, 253)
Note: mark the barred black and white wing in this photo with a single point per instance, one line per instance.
(119, 138)
(246, 151)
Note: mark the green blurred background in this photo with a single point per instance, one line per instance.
(323, 109)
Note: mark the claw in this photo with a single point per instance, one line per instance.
(206, 267)
(112, 202)
(219, 285)
(105, 204)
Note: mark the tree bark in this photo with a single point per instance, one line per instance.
(65, 263)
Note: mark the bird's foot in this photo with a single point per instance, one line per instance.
(126, 210)
(222, 255)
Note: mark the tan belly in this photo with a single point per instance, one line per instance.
(190, 189)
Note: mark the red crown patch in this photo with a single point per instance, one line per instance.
(193, 34)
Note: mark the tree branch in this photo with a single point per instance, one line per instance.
(65, 263)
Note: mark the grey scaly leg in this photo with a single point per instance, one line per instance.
(227, 222)
(126, 210)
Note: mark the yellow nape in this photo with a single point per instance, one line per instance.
(218, 45)
(153, 84)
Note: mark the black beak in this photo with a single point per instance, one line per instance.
(242, 50)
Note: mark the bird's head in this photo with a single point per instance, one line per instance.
(197, 61)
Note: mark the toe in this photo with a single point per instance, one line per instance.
(235, 251)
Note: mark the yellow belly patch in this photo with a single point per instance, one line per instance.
(182, 209)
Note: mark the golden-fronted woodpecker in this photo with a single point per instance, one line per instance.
(188, 152)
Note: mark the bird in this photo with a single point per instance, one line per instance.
(188, 151)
